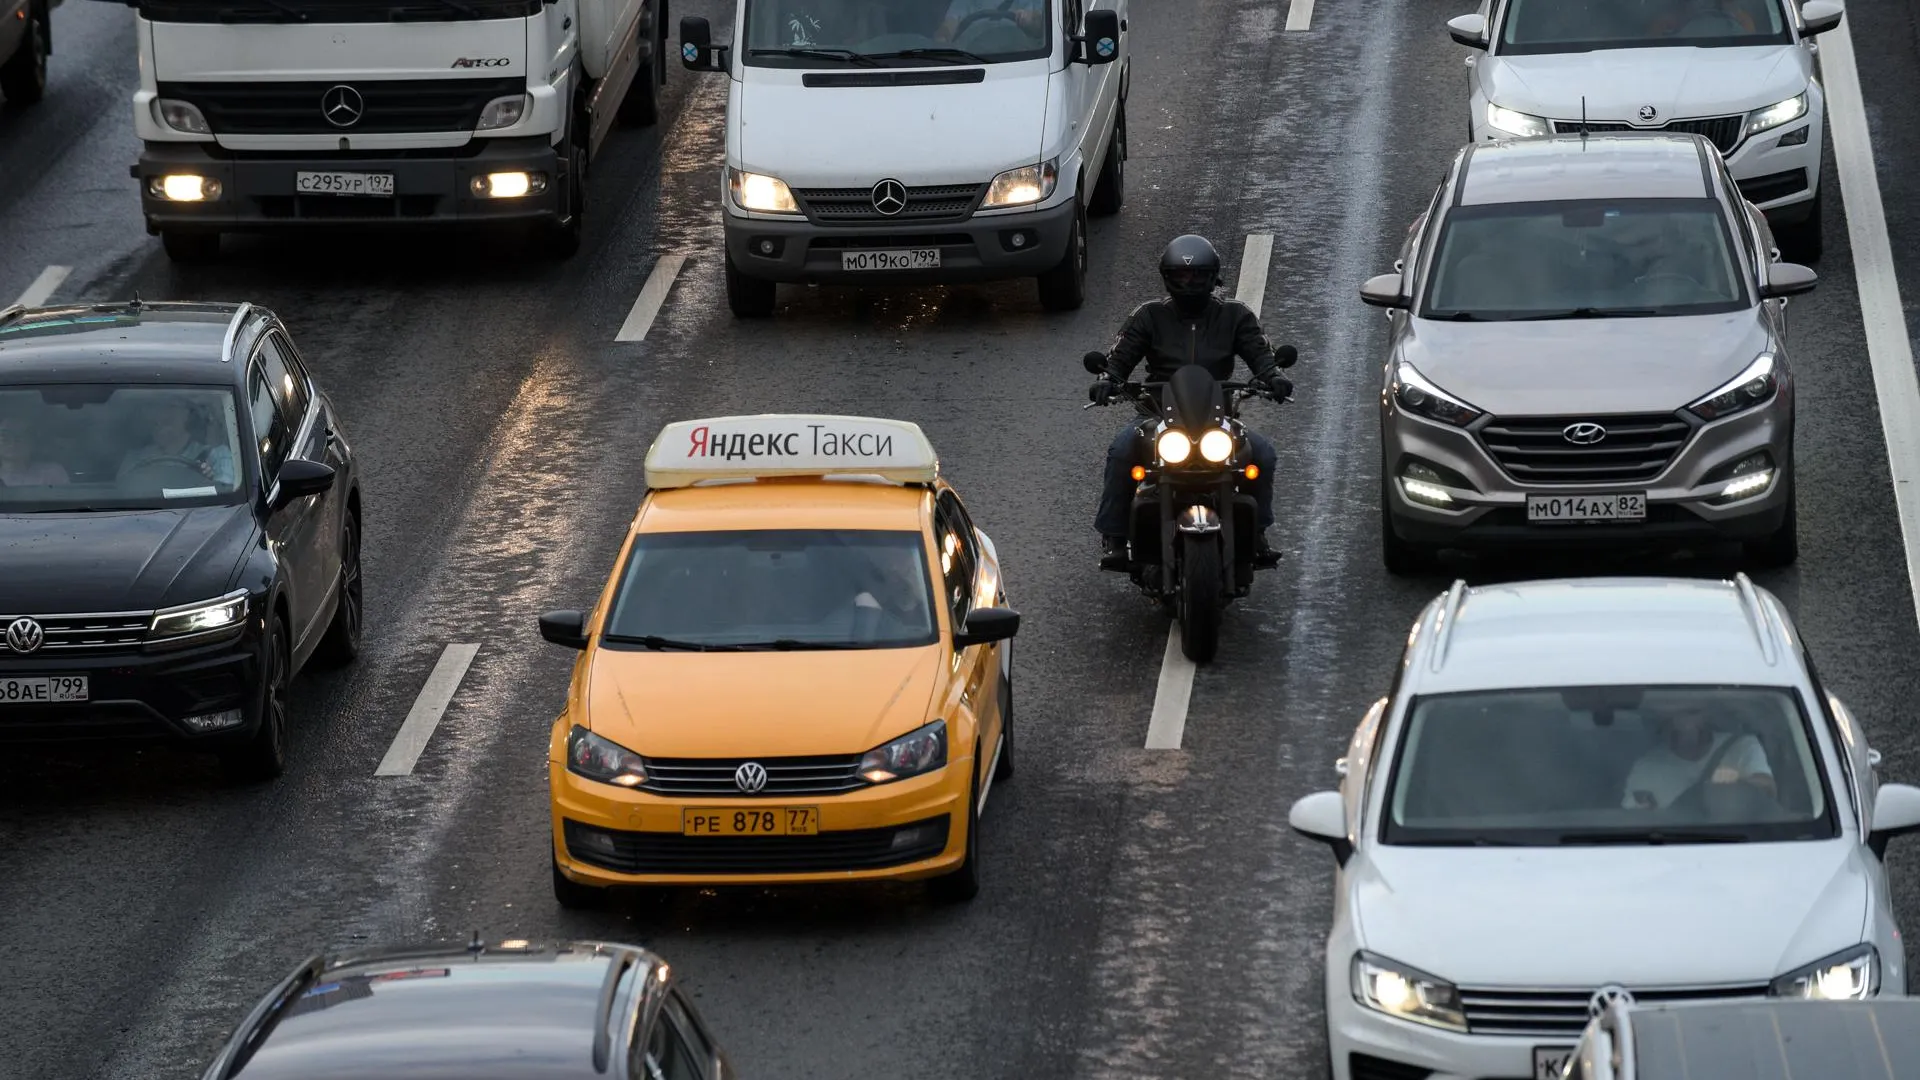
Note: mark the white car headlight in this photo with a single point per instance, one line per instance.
(502, 112)
(1848, 975)
(1174, 446)
(1019, 187)
(1783, 112)
(1397, 990)
(1216, 445)
(761, 194)
(182, 116)
(225, 613)
(1516, 123)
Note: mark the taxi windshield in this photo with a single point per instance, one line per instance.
(892, 33)
(1553, 26)
(113, 447)
(774, 589)
(1584, 259)
(1619, 765)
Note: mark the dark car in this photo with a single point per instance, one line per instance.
(179, 527)
(516, 1011)
(26, 37)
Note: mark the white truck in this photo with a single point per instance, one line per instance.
(263, 115)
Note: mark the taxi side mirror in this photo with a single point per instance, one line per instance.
(987, 625)
(697, 50)
(567, 628)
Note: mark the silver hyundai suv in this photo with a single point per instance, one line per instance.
(1588, 347)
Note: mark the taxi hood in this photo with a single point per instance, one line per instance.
(766, 704)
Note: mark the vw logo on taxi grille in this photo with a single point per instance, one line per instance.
(750, 777)
(889, 197)
(25, 635)
(1583, 434)
(342, 106)
(1606, 998)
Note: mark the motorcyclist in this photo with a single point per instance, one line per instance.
(1190, 326)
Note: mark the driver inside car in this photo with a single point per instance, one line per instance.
(1028, 15)
(1700, 18)
(20, 463)
(170, 420)
(1692, 752)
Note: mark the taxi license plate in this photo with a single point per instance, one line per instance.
(343, 183)
(768, 821)
(1554, 509)
(914, 259)
(1549, 1062)
(39, 691)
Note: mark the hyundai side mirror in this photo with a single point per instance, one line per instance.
(299, 478)
(1322, 816)
(697, 50)
(1095, 363)
(567, 628)
(987, 625)
(1384, 291)
(1469, 30)
(1819, 16)
(1099, 38)
(1788, 279)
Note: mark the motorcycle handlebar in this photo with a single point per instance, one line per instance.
(1236, 392)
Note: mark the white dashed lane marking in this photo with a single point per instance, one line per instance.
(43, 286)
(653, 294)
(1300, 15)
(427, 710)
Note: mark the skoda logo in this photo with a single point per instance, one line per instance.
(342, 106)
(889, 197)
(24, 635)
(1606, 998)
(1648, 113)
(750, 777)
(1583, 434)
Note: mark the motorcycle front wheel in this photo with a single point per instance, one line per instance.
(1201, 597)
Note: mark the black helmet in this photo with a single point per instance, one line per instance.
(1190, 267)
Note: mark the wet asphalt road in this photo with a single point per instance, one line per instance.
(1145, 913)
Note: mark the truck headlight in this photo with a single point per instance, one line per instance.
(604, 760)
(1385, 986)
(1781, 112)
(761, 193)
(1173, 446)
(920, 751)
(502, 112)
(1848, 975)
(1216, 446)
(1516, 123)
(1019, 187)
(182, 116)
(190, 620)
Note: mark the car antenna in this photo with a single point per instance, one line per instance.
(135, 303)
(476, 946)
(1583, 121)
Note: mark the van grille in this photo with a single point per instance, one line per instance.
(1536, 450)
(848, 206)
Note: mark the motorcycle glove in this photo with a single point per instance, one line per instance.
(1276, 386)
(1101, 392)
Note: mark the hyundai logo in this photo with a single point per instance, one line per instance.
(1648, 113)
(750, 777)
(25, 635)
(889, 197)
(342, 106)
(1606, 998)
(1583, 434)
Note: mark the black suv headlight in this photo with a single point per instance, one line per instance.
(191, 622)
(1416, 395)
(1753, 386)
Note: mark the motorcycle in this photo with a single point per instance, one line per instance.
(1192, 532)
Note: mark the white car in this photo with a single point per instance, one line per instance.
(1739, 72)
(1579, 789)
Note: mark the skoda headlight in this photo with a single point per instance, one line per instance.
(761, 194)
(502, 112)
(600, 759)
(181, 116)
(1173, 446)
(1783, 112)
(1516, 123)
(192, 620)
(1752, 386)
(1216, 445)
(1415, 394)
(916, 752)
(1848, 975)
(1018, 187)
(1397, 990)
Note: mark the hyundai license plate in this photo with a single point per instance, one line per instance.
(913, 259)
(768, 821)
(1549, 1062)
(1555, 509)
(343, 183)
(41, 691)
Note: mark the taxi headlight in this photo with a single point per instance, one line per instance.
(600, 759)
(1397, 990)
(1216, 445)
(225, 613)
(1019, 187)
(1516, 123)
(916, 752)
(1848, 975)
(1173, 446)
(1781, 112)
(762, 194)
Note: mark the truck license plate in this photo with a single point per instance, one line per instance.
(343, 183)
(914, 259)
(1555, 509)
(51, 689)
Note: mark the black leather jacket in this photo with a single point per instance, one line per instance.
(1166, 339)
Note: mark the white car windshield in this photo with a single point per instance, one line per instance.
(892, 33)
(93, 446)
(1553, 26)
(1584, 259)
(774, 589)
(1607, 765)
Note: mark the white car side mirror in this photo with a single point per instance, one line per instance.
(1896, 812)
(1471, 30)
(1819, 16)
(1322, 816)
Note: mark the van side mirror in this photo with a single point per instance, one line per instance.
(1819, 16)
(1896, 812)
(1099, 38)
(697, 50)
(987, 625)
(1383, 290)
(1322, 816)
(1788, 279)
(567, 628)
(299, 478)
(1469, 30)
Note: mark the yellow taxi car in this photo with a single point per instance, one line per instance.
(800, 669)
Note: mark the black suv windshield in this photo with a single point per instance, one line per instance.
(1619, 765)
(113, 447)
(1554, 26)
(1584, 259)
(895, 33)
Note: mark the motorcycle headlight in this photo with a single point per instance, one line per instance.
(1848, 975)
(1516, 123)
(1759, 382)
(502, 112)
(1173, 446)
(916, 752)
(1415, 394)
(761, 194)
(604, 760)
(192, 620)
(1216, 445)
(1398, 990)
(1018, 187)
(1780, 112)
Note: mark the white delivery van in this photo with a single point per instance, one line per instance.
(259, 115)
(915, 141)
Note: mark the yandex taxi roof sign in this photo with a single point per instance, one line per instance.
(689, 452)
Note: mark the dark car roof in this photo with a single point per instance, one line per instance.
(159, 342)
(517, 1013)
(1779, 1040)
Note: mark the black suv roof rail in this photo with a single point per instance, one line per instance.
(240, 315)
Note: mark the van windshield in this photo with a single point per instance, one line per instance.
(895, 33)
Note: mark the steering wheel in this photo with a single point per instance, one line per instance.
(990, 13)
(1712, 24)
(168, 462)
(1669, 276)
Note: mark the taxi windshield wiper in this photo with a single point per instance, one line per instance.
(656, 642)
(1455, 841)
(1651, 836)
(952, 56)
(845, 55)
(1588, 313)
(787, 644)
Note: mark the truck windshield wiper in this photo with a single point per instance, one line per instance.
(657, 643)
(954, 56)
(234, 14)
(1651, 836)
(843, 55)
(399, 14)
(1588, 313)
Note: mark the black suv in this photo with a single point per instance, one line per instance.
(179, 527)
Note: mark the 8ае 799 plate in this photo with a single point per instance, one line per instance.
(911, 259)
(343, 183)
(1549, 1062)
(1555, 509)
(49, 689)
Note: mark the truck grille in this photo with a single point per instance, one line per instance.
(387, 106)
(671, 853)
(850, 206)
(1722, 131)
(785, 776)
(67, 635)
(1536, 450)
(1563, 1013)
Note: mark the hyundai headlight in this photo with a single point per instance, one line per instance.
(192, 620)
(502, 112)
(182, 116)
(1848, 975)
(1780, 112)
(604, 760)
(1758, 383)
(1516, 123)
(1173, 446)
(916, 752)
(1397, 990)
(1019, 187)
(761, 193)
(1216, 445)
(1416, 395)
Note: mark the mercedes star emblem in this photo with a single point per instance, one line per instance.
(1583, 434)
(342, 106)
(750, 777)
(1648, 113)
(25, 635)
(1606, 998)
(889, 197)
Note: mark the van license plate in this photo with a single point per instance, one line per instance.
(343, 183)
(1549, 1062)
(1555, 509)
(913, 259)
(51, 689)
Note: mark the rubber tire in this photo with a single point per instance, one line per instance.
(1003, 772)
(1803, 241)
(190, 248)
(641, 106)
(749, 297)
(1064, 288)
(1201, 599)
(341, 644)
(263, 755)
(963, 884)
(23, 78)
(1782, 548)
(1401, 558)
(574, 896)
(1110, 190)
(561, 239)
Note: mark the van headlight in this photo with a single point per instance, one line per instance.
(1780, 112)
(1848, 975)
(1019, 187)
(192, 620)
(1385, 986)
(760, 193)
(1516, 123)
(1173, 446)
(1216, 445)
